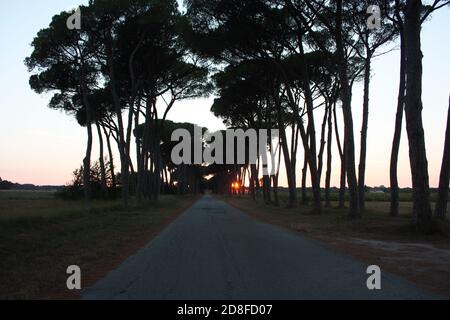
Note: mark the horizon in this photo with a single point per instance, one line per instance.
(58, 141)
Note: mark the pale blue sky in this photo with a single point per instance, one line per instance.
(42, 146)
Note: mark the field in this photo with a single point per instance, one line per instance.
(40, 236)
(371, 196)
(392, 243)
(375, 221)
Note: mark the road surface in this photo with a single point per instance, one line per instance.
(216, 252)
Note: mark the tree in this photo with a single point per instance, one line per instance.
(367, 44)
(331, 15)
(119, 29)
(232, 32)
(442, 200)
(398, 17)
(244, 102)
(413, 110)
(274, 31)
(141, 56)
(61, 58)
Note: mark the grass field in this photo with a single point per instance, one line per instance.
(404, 195)
(375, 221)
(40, 236)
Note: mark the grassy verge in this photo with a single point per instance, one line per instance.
(374, 224)
(41, 236)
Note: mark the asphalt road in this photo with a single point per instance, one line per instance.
(215, 252)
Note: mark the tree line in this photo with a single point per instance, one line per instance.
(285, 59)
(270, 64)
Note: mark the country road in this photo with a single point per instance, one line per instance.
(216, 252)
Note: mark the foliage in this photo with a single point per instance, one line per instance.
(74, 190)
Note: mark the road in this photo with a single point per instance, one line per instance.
(216, 252)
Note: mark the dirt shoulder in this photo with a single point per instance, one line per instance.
(377, 239)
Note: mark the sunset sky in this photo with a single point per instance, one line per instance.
(42, 146)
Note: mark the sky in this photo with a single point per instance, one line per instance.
(43, 146)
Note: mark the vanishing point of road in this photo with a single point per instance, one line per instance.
(216, 252)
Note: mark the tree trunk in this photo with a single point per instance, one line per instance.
(354, 211)
(364, 129)
(102, 161)
(253, 181)
(125, 172)
(442, 200)
(398, 131)
(322, 142)
(276, 177)
(308, 136)
(111, 162)
(139, 158)
(87, 166)
(312, 150)
(267, 191)
(144, 173)
(157, 173)
(341, 149)
(122, 144)
(87, 158)
(289, 170)
(311, 160)
(329, 158)
(343, 181)
(275, 190)
(304, 176)
(413, 111)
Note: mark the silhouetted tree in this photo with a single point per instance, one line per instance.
(62, 59)
(367, 43)
(414, 18)
(335, 24)
(398, 18)
(442, 200)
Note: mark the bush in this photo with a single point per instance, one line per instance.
(75, 190)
